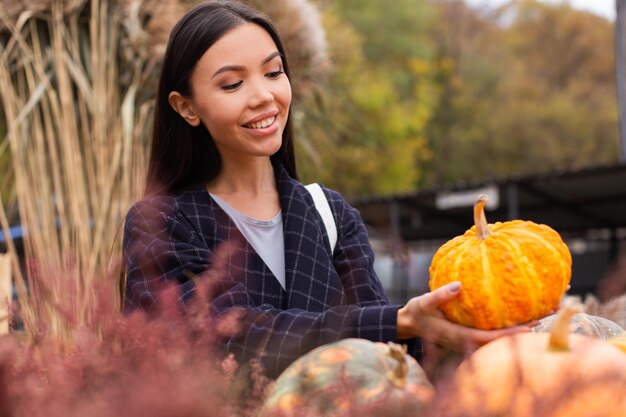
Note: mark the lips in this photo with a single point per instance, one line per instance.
(263, 120)
(261, 124)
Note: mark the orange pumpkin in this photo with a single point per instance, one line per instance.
(511, 272)
(557, 374)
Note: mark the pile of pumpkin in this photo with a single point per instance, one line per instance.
(572, 364)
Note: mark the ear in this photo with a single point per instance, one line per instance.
(183, 106)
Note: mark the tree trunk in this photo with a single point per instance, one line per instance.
(620, 68)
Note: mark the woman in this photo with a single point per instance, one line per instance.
(223, 196)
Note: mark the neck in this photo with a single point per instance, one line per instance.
(252, 177)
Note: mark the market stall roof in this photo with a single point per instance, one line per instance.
(573, 202)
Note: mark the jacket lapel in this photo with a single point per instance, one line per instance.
(311, 280)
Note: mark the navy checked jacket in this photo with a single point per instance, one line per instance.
(328, 296)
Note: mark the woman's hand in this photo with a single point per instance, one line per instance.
(421, 317)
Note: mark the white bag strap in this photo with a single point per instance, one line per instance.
(323, 208)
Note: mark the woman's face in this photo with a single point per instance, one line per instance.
(241, 93)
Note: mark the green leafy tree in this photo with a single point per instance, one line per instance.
(369, 120)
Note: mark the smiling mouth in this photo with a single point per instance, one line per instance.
(261, 124)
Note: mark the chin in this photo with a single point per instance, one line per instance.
(275, 148)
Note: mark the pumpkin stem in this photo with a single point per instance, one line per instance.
(619, 341)
(559, 334)
(482, 229)
(397, 376)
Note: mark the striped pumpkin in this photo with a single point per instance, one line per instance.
(349, 375)
(511, 272)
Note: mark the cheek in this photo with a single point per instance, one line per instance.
(220, 115)
(285, 93)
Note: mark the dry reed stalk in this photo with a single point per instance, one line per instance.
(76, 85)
(5, 292)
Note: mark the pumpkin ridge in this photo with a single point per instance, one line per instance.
(495, 311)
(446, 257)
(444, 254)
(553, 256)
(524, 277)
(558, 254)
(506, 294)
(474, 305)
(449, 248)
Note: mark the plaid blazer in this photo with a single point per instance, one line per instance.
(328, 296)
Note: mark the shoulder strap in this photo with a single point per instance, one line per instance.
(323, 208)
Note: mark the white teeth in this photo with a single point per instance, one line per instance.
(262, 124)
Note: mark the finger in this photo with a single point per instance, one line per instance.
(485, 336)
(461, 338)
(432, 299)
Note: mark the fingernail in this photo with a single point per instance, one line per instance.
(454, 286)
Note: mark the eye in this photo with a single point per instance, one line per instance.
(233, 86)
(275, 74)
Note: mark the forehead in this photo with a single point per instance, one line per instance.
(246, 44)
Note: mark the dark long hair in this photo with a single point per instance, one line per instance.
(180, 154)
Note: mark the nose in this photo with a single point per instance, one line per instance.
(260, 93)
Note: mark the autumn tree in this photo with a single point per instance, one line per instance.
(528, 87)
(469, 64)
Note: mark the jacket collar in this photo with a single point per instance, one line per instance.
(303, 242)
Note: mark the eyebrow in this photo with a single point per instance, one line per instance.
(227, 68)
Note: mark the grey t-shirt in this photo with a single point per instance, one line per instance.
(265, 236)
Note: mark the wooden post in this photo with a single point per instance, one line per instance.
(5, 292)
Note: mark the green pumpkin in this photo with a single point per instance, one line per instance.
(349, 374)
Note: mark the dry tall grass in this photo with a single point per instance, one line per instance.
(5, 292)
(76, 85)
